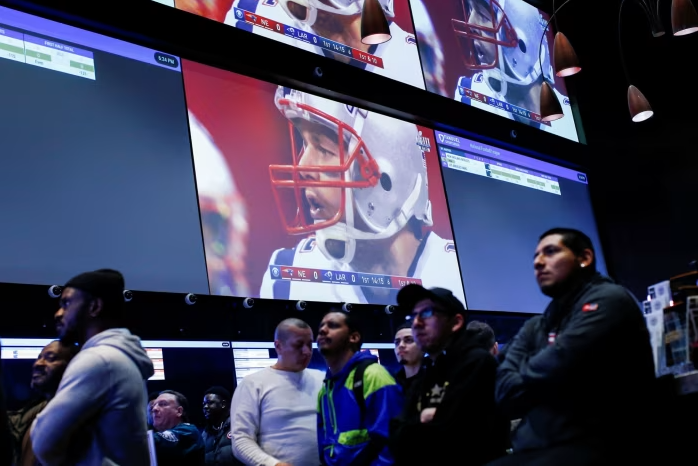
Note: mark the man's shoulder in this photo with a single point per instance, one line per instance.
(608, 293)
(377, 377)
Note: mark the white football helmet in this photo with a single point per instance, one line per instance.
(515, 28)
(380, 169)
(223, 216)
(305, 11)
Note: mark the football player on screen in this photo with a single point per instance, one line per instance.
(358, 181)
(500, 40)
(338, 21)
(223, 216)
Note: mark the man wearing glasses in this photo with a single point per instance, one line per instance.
(452, 405)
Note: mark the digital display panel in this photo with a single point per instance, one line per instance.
(96, 160)
(189, 367)
(501, 202)
(305, 198)
(251, 357)
(331, 28)
(485, 53)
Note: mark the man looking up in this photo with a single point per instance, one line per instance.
(452, 405)
(358, 399)
(90, 421)
(176, 441)
(47, 372)
(558, 375)
(217, 434)
(273, 411)
(409, 355)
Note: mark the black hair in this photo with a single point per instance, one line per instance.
(576, 241)
(404, 325)
(220, 391)
(352, 324)
(485, 334)
(181, 401)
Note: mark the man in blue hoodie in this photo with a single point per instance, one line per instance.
(354, 412)
(97, 415)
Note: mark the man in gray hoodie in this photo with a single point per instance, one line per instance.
(97, 415)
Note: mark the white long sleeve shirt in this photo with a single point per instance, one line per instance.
(274, 418)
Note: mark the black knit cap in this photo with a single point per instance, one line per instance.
(106, 284)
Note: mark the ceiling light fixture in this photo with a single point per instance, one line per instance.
(374, 26)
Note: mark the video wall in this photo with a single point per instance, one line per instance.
(484, 53)
(251, 189)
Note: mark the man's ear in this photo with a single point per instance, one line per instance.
(180, 411)
(458, 322)
(96, 306)
(355, 338)
(586, 258)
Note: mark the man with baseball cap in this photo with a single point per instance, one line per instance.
(97, 415)
(452, 406)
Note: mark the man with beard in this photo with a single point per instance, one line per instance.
(452, 405)
(217, 434)
(358, 399)
(47, 372)
(409, 355)
(558, 375)
(97, 414)
(177, 442)
(274, 410)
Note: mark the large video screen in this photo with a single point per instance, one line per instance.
(485, 53)
(501, 202)
(189, 367)
(96, 160)
(254, 356)
(305, 198)
(325, 27)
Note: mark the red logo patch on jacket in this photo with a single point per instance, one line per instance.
(589, 307)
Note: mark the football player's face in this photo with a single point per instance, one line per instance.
(320, 148)
(480, 14)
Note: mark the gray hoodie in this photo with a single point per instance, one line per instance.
(98, 415)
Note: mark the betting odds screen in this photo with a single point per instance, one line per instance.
(96, 160)
(305, 198)
(485, 53)
(501, 202)
(254, 356)
(189, 367)
(325, 27)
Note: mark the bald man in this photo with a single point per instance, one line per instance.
(274, 411)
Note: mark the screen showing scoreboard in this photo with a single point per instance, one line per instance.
(485, 53)
(501, 202)
(331, 28)
(302, 197)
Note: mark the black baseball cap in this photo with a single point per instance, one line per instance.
(412, 294)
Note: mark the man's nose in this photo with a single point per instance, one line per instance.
(308, 158)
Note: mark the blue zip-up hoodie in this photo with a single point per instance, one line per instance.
(343, 437)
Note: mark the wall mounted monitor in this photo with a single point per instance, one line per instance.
(96, 160)
(485, 53)
(254, 356)
(305, 198)
(325, 27)
(501, 202)
(189, 367)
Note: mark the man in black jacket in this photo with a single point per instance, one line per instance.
(217, 434)
(577, 373)
(450, 416)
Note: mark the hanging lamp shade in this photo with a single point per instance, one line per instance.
(564, 57)
(684, 18)
(640, 109)
(550, 108)
(374, 25)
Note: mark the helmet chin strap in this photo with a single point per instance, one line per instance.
(348, 234)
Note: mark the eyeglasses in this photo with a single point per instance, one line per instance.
(424, 313)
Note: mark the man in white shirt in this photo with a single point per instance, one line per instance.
(274, 411)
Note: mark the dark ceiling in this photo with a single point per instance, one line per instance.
(643, 173)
